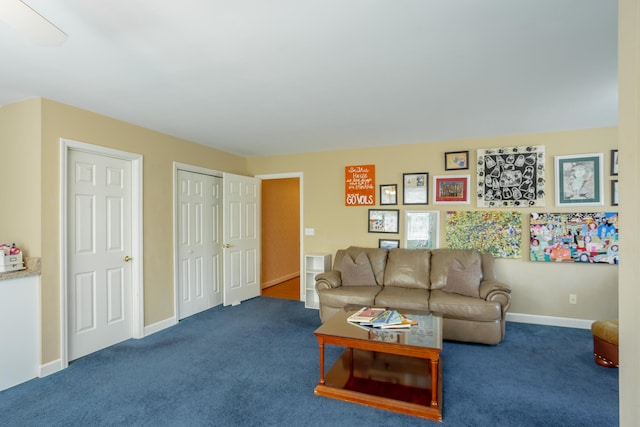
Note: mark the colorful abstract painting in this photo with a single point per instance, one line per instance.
(574, 237)
(496, 232)
(511, 177)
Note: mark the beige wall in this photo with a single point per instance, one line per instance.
(20, 165)
(159, 152)
(538, 288)
(629, 141)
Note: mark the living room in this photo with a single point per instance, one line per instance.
(540, 291)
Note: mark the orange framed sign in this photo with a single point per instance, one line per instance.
(360, 185)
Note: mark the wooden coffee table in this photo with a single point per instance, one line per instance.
(396, 370)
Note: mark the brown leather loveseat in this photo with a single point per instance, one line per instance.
(459, 284)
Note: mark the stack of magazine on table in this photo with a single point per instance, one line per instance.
(382, 318)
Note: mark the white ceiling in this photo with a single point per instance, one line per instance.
(270, 77)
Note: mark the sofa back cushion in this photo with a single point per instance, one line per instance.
(408, 268)
(488, 271)
(377, 258)
(357, 272)
(443, 259)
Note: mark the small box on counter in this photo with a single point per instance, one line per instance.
(10, 259)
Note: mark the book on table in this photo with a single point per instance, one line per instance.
(381, 318)
(366, 314)
(389, 317)
(403, 324)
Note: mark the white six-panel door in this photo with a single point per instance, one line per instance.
(99, 246)
(241, 240)
(199, 242)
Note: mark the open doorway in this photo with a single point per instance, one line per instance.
(281, 249)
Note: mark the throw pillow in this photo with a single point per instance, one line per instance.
(464, 281)
(358, 272)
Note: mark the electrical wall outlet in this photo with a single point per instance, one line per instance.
(573, 299)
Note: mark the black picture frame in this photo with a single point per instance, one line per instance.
(388, 194)
(614, 193)
(415, 188)
(613, 171)
(383, 221)
(389, 243)
(456, 160)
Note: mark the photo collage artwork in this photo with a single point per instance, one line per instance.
(574, 237)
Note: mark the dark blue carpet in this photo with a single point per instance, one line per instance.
(256, 364)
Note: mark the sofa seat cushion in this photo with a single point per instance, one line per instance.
(463, 307)
(343, 295)
(399, 298)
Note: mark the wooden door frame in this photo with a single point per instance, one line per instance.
(300, 176)
(176, 280)
(137, 268)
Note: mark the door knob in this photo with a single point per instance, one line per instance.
(127, 258)
(227, 246)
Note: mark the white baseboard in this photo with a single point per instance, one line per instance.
(279, 280)
(50, 368)
(159, 326)
(536, 319)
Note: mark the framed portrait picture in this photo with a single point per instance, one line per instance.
(451, 189)
(388, 243)
(389, 194)
(456, 160)
(415, 188)
(421, 229)
(383, 220)
(614, 163)
(614, 193)
(579, 180)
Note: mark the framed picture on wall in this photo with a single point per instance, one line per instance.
(511, 177)
(388, 243)
(415, 188)
(579, 180)
(383, 220)
(614, 193)
(456, 160)
(388, 194)
(451, 189)
(614, 162)
(421, 230)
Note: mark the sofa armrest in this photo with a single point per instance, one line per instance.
(328, 280)
(491, 290)
(488, 286)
